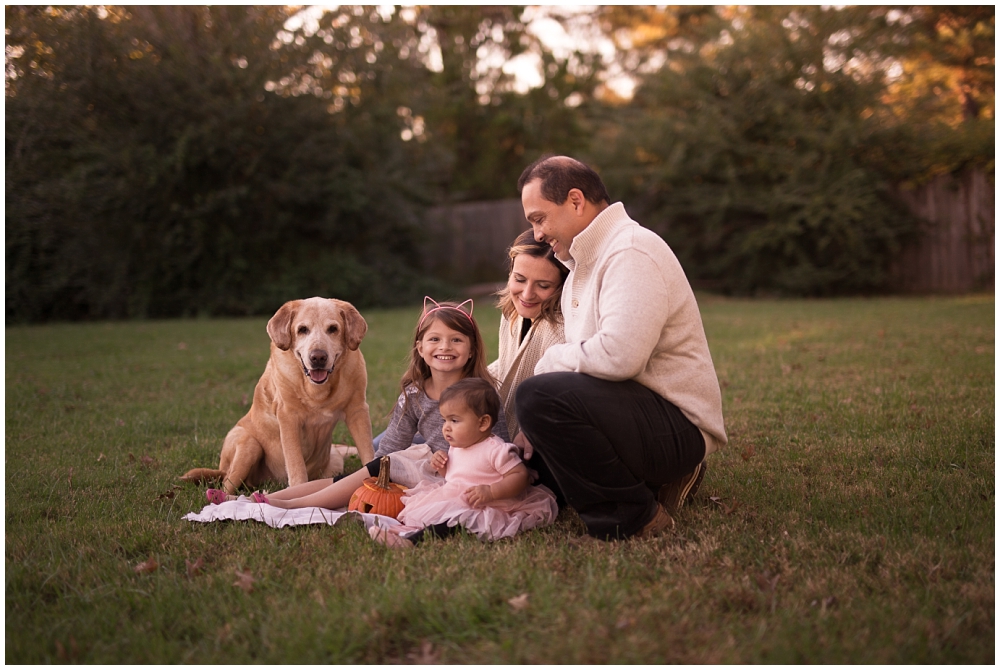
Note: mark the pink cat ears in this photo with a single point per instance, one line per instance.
(429, 309)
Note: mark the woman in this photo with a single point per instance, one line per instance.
(531, 321)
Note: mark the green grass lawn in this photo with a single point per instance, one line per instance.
(850, 519)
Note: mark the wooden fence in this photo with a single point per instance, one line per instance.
(956, 251)
(467, 243)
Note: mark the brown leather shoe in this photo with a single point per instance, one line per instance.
(674, 494)
(660, 523)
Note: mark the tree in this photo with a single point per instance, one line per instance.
(746, 150)
(157, 165)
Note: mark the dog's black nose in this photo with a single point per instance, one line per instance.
(318, 358)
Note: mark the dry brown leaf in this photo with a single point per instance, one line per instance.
(194, 567)
(67, 656)
(748, 453)
(244, 580)
(766, 582)
(166, 495)
(147, 566)
(519, 602)
(426, 655)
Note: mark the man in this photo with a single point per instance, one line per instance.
(625, 411)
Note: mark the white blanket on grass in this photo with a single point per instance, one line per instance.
(245, 509)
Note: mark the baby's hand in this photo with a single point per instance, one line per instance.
(479, 496)
(439, 461)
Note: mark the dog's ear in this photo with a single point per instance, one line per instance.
(279, 328)
(355, 326)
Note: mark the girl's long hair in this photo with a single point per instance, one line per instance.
(458, 320)
(526, 244)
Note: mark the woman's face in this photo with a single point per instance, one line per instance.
(532, 281)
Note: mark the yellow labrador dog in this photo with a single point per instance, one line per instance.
(315, 377)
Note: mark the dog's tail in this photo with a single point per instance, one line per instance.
(201, 475)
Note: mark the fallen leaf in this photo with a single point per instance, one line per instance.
(519, 602)
(101, 457)
(748, 453)
(166, 495)
(717, 500)
(729, 510)
(194, 567)
(67, 656)
(147, 566)
(766, 582)
(131, 458)
(318, 597)
(147, 461)
(244, 580)
(426, 655)
(828, 603)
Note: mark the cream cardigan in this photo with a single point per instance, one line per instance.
(630, 313)
(517, 360)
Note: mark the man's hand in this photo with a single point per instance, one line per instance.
(526, 449)
(479, 496)
(439, 461)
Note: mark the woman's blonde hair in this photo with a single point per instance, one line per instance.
(526, 244)
(452, 316)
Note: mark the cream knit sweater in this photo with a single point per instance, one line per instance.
(630, 313)
(517, 360)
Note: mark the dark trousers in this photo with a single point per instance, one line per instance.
(607, 445)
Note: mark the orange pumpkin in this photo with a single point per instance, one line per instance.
(378, 496)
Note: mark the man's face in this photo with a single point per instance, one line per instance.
(554, 224)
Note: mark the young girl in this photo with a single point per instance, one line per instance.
(447, 347)
(485, 488)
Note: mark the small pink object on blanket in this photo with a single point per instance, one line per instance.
(486, 462)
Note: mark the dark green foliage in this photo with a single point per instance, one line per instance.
(766, 150)
(748, 163)
(149, 172)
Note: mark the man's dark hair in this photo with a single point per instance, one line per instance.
(559, 174)
(478, 394)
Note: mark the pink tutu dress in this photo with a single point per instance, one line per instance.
(485, 462)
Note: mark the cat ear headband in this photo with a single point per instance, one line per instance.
(436, 307)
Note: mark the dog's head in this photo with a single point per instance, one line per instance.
(317, 330)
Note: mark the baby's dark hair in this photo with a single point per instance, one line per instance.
(478, 395)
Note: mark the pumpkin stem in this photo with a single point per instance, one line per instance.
(383, 473)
